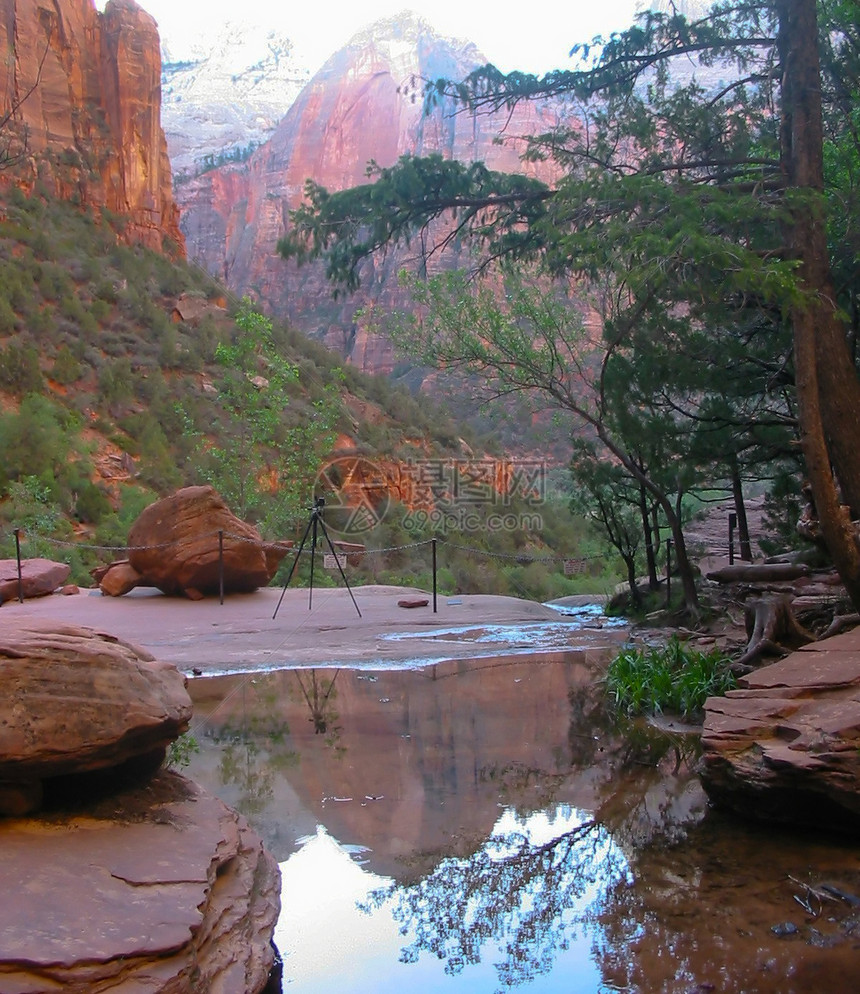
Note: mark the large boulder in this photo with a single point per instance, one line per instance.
(38, 577)
(75, 701)
(785, 746)
(174, 545)
(160, 889)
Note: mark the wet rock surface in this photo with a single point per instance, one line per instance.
(160, 888)
(131, 877)
(785, 746)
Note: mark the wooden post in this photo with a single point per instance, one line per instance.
(18, 557)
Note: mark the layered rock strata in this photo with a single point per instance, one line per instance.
(785, 746)
(75, 701)
(162, 889)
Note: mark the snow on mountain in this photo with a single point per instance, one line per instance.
(227, 94)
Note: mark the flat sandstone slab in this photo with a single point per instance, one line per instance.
(162, 888)
(785, 746)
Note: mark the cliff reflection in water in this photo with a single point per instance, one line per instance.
(484, 826)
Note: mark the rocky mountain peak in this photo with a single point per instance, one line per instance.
(405, 40)
(227, 93)
(354, 110)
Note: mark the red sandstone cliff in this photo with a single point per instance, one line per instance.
(352, 111)
(80, 105)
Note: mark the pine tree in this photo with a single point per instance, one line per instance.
(698, 201)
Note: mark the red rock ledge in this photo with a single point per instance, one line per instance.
(785, 746)
(162, 888)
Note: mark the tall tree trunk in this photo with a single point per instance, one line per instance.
(741, 512)
(673, 519)
(647, 531)
(828, 390)
(630, 563)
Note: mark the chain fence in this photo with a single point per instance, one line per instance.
(347, 558)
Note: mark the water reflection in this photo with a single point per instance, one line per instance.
(319, 695)
(486, 826)
(518, 900)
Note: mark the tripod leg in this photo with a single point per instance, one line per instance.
(293, 568)
(313, 556)
(340, 568)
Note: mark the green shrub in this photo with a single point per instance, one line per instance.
(19, 369)
(41, 323)
(112, 531)
(673, 677)
(31, 508)
(181, 750)
(92, 504)
(54, 282)
(8, 319)
(115, 383)
(66, 369)
(33, 442)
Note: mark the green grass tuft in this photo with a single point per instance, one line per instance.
(672, 677)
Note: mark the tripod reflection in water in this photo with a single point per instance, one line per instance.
(318, 696)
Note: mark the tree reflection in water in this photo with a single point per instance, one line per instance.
(526, 891)
(245, 740)
(605, 871)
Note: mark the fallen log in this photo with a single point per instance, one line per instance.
(758, 572)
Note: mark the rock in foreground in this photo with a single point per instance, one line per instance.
(160, 889)
(785, 746)
(75, 701)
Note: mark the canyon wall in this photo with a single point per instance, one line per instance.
(358, 108)
(80, 111)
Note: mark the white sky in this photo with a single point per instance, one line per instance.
(513, 35)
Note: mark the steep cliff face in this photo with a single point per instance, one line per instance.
(80, 104)
(353, 111)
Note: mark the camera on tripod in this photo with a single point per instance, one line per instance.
(315, 524)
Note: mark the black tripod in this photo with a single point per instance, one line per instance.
(316, 521)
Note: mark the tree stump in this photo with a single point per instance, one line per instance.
(772, 629)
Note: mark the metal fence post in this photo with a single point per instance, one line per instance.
(433, 541)
(221, 565)
(18, 557)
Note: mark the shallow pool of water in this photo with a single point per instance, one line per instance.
(485, 826)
